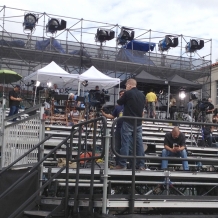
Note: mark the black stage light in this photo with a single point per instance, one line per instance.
(30, 21)
(54, 25)
(85, 83)
(167, 42)
(125, 35)
(103, 35)
(194, 45)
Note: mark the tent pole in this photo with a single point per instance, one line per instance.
(34, 102)
(168, 101)
(78, 92)
(118, 92)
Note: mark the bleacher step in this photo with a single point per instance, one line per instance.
(37, 213)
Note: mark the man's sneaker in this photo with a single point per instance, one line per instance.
(118, 167)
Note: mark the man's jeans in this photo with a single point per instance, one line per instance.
(166, 153)
(117, 135)
(13, 110)
(127, 144)
(211, 140)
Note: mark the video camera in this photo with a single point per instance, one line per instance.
(203, 105)
(98, 98)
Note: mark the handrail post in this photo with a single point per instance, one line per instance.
(105, 176)
(41, 148)
(2, 133)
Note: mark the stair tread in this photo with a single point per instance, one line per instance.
(37, 213)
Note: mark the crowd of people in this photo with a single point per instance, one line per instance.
(131, 103)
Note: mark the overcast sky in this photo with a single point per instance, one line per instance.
(196, 18)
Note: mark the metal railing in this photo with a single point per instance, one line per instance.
(20, 136)
(104, 145)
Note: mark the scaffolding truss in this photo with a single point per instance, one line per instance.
(75, 50)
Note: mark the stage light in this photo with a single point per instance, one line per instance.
(30, 21)
(103, 35)
(54, 25)
(85, 83)
(125, 35)
(182, 94)
(37, 83)
(49, 84)
(194, 45)
(167, 42)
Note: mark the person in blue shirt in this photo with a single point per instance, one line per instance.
(118, 112)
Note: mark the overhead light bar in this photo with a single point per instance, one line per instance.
(125, 35)
(55, 25)
(167, 42)
(103, 35)
(194, 45)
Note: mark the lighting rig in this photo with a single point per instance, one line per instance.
(168, 42)
(194, 45)
(125, 36)
(29, 25)
(55, 25)
(30, 21)
(104, 35)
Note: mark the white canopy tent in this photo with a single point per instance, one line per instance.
(52, 73)
(96, 78)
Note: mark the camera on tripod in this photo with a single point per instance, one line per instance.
(97, 99)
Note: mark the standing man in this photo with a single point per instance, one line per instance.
(190, 107)
(174, 146)
(151, 100)
(118, 112)
(209, 111)
(14, 101)
(133, 101)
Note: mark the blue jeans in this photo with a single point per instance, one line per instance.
(13, 110)
(166, 153)
(127, 144)
(117, 135)
(211, 139)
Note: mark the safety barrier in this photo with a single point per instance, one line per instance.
(19, 137)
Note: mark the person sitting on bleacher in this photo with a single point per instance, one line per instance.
(72, 97)
(174, 146)
(208, 136)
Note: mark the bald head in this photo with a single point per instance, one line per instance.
(175, 132)
(131, 83)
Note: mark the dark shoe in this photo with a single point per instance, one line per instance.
(118, 167)
(142, 168)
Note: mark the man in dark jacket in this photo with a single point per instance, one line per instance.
(133, 101)
(14, 101)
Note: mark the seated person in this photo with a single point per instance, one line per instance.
(208, 135)
(215, 116)
(74, 115)
(174, 146)
(47, 108)
(72, 97)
